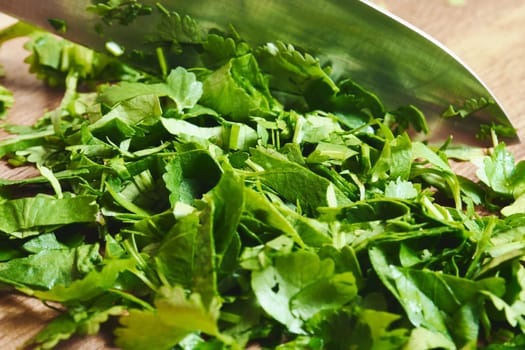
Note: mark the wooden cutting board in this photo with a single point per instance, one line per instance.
(488, 35)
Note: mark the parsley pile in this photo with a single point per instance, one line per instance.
(254, 200)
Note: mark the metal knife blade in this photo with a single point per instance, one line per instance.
(385, 54)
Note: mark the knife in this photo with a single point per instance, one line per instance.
(380, 51)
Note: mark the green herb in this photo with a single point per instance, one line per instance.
(470, 106)
(6, 101)
(58, 24)
(254, 199)
(120, 11)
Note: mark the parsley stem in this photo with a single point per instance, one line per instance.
(481, 247)
(142, 267)
(132, 298)
(432, 209)
(126, 204)
(162, 61)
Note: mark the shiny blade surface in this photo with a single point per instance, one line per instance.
(359, 40)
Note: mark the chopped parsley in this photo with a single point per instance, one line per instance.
(252, 199)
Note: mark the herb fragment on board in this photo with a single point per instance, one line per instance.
(6, 101)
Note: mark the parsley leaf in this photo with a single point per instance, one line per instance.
(175, 316)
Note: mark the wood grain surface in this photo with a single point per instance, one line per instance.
(487, 35)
